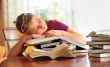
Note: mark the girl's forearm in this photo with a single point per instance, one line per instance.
(75, 36)
(14, 51)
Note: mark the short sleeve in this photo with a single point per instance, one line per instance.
(56, 25)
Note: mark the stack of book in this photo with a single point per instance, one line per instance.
(43, 44)
(53, 41)
(99, 45)
(51, 47)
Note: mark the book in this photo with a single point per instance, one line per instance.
(43, 40)
(52, 44)
(106, 46)
(102, 55)
(99, 51)
(63, 50)
(47, 49)
(97, 43)
(97, 34)
(96, 46)
(75, 50)
(49, 46)
(99, 39)
(100, 46)
(81, 51)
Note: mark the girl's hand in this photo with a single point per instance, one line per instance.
(35, 36)
(53, 33)
(30, 36)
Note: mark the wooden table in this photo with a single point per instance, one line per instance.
(80, 61)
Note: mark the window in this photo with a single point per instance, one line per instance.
(46, 9)
(51, 9)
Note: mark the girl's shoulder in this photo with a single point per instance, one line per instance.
(56, 25)
(51, 21)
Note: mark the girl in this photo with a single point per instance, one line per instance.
(34, 27)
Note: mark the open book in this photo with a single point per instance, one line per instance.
(63, 50)
(49, 39)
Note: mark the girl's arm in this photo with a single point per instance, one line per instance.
(75, 36)
(69, 33)
(14, 51)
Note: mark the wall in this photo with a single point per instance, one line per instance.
(91, 15)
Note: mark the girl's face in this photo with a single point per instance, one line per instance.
(37, 26)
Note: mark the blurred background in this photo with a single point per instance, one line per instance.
(82, 16)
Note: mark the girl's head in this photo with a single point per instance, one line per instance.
(28, 23)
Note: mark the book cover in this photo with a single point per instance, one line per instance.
(43, 40)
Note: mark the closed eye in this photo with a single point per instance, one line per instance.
(39, 27)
